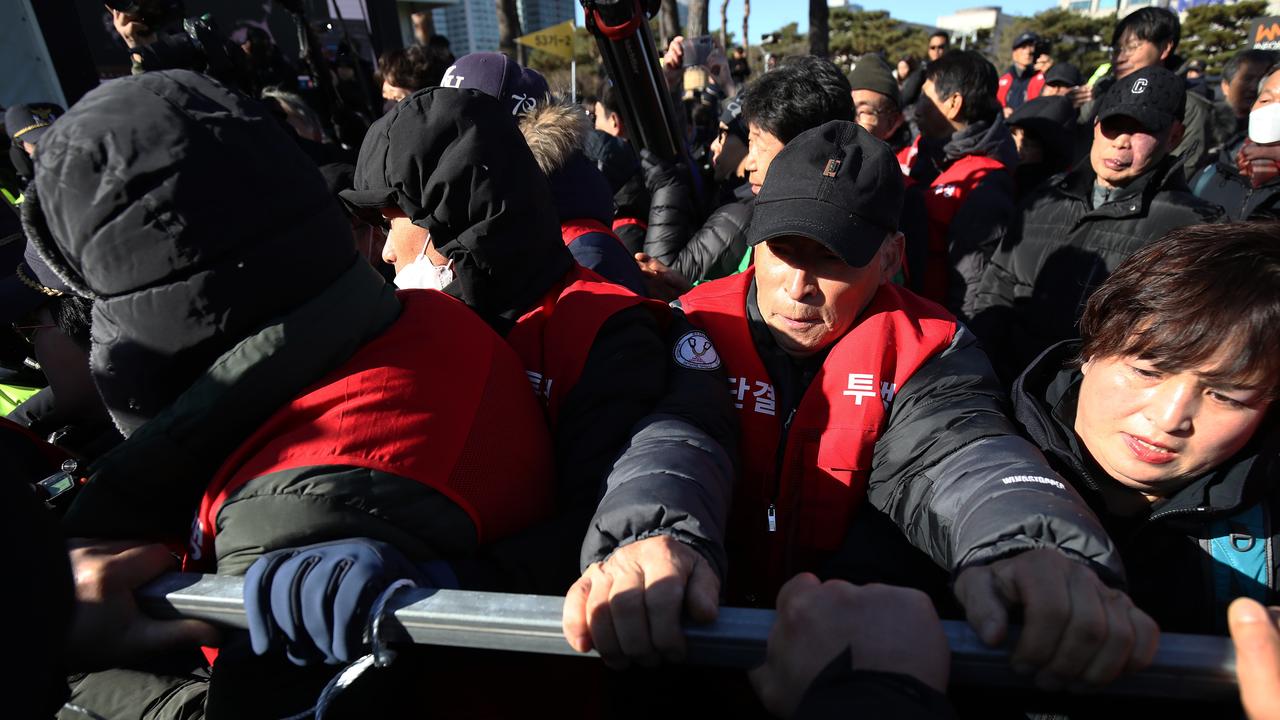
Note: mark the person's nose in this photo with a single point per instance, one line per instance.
(388, 252)
(1173, 406)
(801, 284)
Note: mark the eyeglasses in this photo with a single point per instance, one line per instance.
(28, 332)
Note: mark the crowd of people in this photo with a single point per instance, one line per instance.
(1000, 348)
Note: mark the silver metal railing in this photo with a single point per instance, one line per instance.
(1186, 666)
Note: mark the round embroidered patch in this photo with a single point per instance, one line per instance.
(695, 351)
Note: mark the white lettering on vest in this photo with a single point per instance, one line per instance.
(861, 385)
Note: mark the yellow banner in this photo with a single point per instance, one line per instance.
(557, 40)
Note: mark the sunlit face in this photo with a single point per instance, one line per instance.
(1154, 430)
(728, 153)
(1123, 150)
(608, 122)
(809, 297)
(937, 46)
(1024, 54)
(405, 241)
(762, 147)
(1269, 93)
(876, 113)
(1134, 54)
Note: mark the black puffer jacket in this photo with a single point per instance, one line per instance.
(1222, 184)
(1176, 570)
(946, 472)
(1035, 288)
(984, 218)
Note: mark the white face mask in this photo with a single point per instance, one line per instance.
(1264, 124)
(421, 274)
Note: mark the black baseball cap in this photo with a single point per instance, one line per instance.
(1026, 38)
(26, 123)
(834, 184)
(1153, 96)
(1063, 74)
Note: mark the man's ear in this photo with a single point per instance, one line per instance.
(1166, 51)
(953, 106)
(1225, 87)
(890, 255)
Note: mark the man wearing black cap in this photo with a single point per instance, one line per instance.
(849, 392)
(1021, 82)
(1080, 224)
(1043, 129)
(1149, 37)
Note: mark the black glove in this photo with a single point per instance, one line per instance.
(314, 601)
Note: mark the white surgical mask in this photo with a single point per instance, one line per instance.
(1264, 124)
(422, 274)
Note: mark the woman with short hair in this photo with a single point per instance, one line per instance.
(1162, 416)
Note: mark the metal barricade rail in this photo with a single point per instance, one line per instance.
(1185, 666)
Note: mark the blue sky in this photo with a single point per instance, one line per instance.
(768, 15)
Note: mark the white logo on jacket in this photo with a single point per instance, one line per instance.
(1140, 86)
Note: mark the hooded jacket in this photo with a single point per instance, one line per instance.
(965, 240)
(1062, 248)
(1180, 552)
(266, 342)
(453, 161)
(557, 134)
(1221, 183)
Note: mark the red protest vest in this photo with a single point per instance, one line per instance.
(554, 338)
(1034, 86)
(437, 398)
(947, 193)
(793, 504)
(571, 230)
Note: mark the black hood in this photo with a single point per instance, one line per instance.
(453, 161)
(189, 217)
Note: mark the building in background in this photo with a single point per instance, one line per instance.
(538, 14)
(844, 5)
(470, 25)
(976, 28)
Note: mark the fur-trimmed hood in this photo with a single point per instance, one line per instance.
(557, 134)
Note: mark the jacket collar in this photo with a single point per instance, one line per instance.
(1129, 201)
